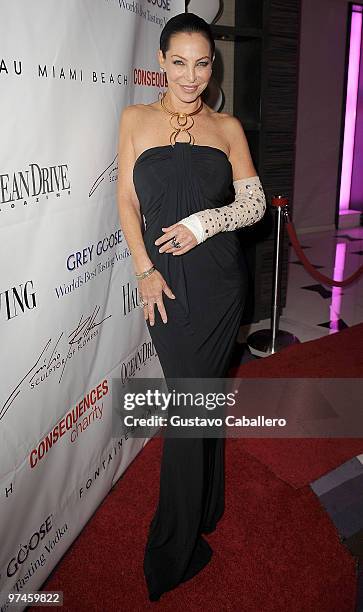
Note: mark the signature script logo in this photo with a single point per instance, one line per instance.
(110, 173)
(51, 358)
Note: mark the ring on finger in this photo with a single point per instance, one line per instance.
(175, 243)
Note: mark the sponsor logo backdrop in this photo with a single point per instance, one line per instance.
(69, 316)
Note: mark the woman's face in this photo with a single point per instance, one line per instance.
(188, 65)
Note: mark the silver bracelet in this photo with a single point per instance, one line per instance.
(146, 273)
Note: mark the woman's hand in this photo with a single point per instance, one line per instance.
(151, 290)
(182, 234)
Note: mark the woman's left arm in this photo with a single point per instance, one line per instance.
(249, 204)
(248, 207)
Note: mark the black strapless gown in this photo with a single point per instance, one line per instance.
(210, 284)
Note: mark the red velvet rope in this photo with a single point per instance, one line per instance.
(280, 201)
(310, 268)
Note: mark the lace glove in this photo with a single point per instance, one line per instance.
(248, 207)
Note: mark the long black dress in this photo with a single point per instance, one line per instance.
(210, 284)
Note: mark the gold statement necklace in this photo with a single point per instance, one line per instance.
(181, 120)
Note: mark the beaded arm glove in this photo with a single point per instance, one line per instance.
(248, 207)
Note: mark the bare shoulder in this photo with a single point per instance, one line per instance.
(240, 155)
(133, 115)
(218, 115)
(232, 126)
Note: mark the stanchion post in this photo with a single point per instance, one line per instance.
(276, 293)
(267, 341)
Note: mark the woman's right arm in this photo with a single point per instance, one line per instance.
(151, 287)
(127, 200)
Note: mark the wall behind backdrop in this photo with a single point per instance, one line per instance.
(320, 106)
(69, 315)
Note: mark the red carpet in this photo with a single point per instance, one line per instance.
(274, 549)
(299, 462)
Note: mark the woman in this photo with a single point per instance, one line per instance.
(177, 161)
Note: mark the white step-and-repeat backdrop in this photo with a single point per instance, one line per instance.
(69, 319)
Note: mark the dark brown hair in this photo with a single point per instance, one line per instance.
(185, 22)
